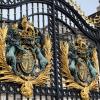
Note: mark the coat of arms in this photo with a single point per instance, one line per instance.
(79, 65)
(25, 56)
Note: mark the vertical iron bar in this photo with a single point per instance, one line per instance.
(1, 18)
(40, 93)
(14, 13)
(66, 28)
(21, 97)
(32, 13)
(21, 11)
(14, 96)
(62, 24)
(34, 95)
(43, 18)
(55, 54)
(26, 9)
(48, 18)
(50, 24)
(66, 59)
(46, 92)
(6, 96)
(38, 15)
(8, 14)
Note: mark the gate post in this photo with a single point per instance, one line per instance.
(56, 64)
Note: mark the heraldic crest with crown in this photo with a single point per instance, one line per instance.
(79, 65)
(25, 56)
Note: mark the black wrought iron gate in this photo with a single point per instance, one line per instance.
(55, 17)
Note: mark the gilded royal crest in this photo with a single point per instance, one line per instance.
(26, 56)
(79, 65)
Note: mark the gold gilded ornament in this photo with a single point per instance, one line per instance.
(69, 78)
(26, 81)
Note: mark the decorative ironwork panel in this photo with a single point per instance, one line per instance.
(47, 44)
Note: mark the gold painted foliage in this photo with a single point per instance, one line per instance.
(3, 33)
(64, 50)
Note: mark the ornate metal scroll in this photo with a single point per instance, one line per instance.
(25, 56)
(79, 65)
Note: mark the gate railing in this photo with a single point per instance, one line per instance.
(53, 17)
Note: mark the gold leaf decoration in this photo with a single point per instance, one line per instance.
(3, 34)
(64, 50)
(95, 59)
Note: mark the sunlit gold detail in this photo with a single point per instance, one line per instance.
(3, 34)
(64, 50)
(25, 82)
(69, 81)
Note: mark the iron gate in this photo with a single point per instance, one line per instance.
(55, 17)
